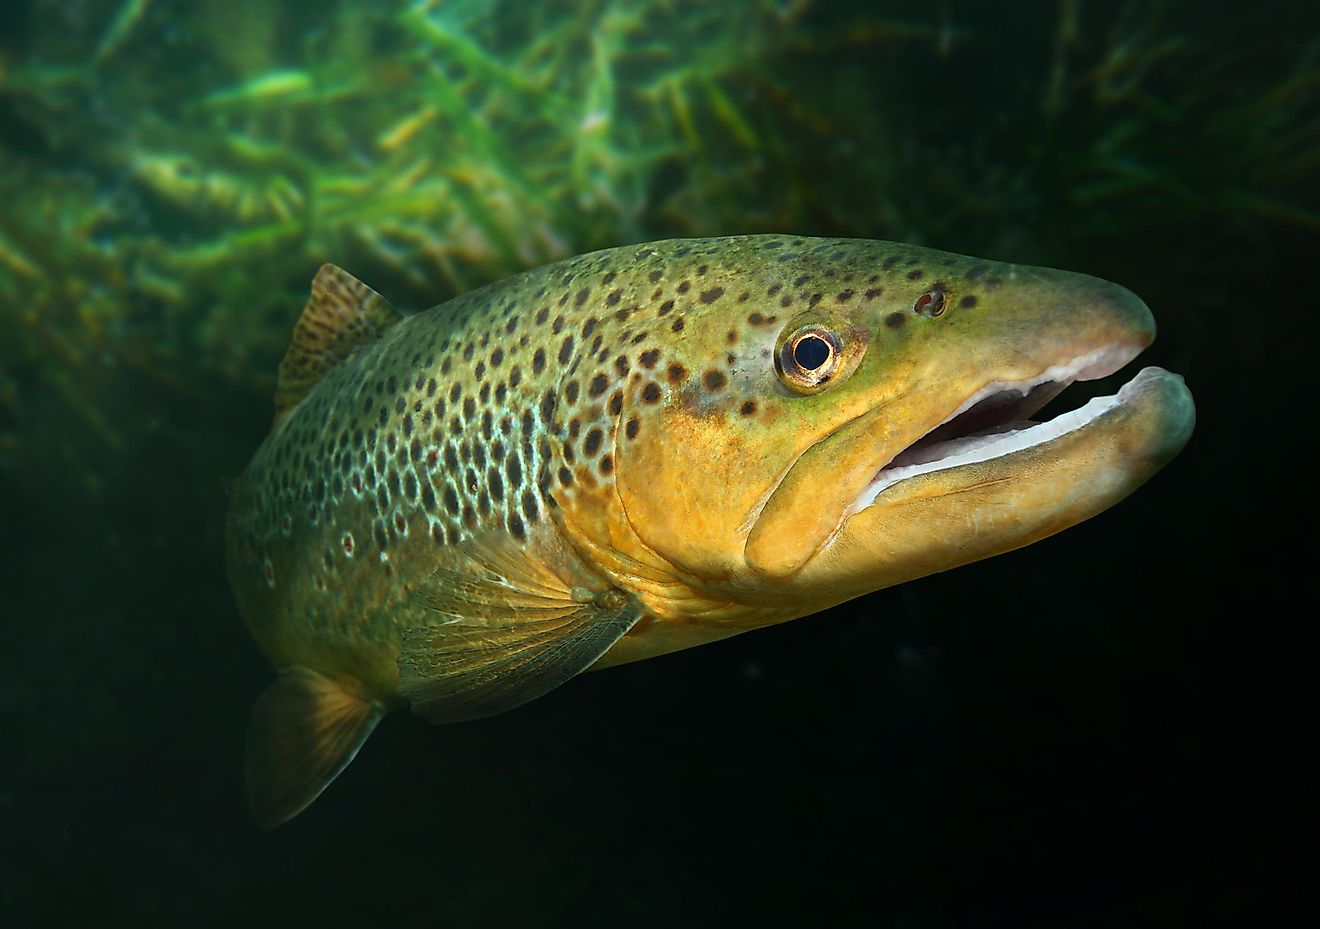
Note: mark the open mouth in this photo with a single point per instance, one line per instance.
(995, 422)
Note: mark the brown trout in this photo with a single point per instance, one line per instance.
(647, 448)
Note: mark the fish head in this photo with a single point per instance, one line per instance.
(849, 415)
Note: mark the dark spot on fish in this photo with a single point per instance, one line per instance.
(598, 385)
(895, 320)
(710, 296)
(606, 464)
(516, 527)
(968, 301)
(630, 430)
(650, 357)
(677, 325)
(748, 408)
(714, 380)
(676, 373)
(651, 392)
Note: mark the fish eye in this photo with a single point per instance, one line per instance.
(811, 351)
(808, 358)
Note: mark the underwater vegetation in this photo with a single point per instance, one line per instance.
(173, 172)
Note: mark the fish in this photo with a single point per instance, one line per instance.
(647, 448)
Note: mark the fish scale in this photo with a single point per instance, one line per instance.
(514, 407)
(599, 460)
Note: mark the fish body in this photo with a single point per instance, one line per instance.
(650, 447)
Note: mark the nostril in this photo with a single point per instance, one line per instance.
(931, 303)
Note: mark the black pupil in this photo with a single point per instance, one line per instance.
(811, 352)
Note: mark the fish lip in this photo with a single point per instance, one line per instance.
(985, 445)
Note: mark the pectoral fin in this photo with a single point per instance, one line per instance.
(473, 666)
(305, 729)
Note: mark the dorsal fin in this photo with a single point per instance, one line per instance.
(341, 315)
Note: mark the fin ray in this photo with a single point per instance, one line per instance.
(304, 731)
(472, 667)
(341, 315)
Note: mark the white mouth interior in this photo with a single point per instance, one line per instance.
(1014, 435)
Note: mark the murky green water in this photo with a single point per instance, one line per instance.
(1105, 729)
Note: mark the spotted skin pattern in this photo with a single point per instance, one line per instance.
(499, 409)
(614, 457)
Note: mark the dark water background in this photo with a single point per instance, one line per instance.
(1111, 728)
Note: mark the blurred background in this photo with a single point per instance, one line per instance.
(1107, 729)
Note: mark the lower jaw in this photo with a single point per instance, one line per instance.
(939, 515)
